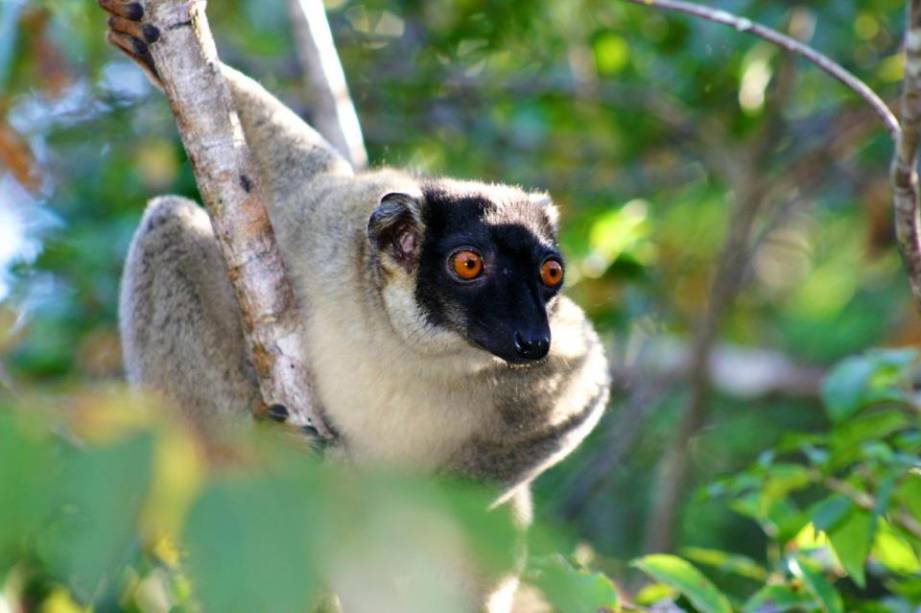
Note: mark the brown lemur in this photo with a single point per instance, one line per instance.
(435, 327)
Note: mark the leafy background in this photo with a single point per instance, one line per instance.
(799, 489)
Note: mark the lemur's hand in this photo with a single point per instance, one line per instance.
(130, 35)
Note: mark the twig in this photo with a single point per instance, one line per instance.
(788, 43)
(333, 111)
(189, 69)
(905, 162)
(866, 502)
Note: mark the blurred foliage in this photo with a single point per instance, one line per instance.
(639, 123)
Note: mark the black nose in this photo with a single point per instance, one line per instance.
(532, 346)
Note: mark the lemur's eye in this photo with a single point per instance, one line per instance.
(467, 264)
(551, 273)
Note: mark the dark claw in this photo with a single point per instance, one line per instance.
(310, 431)
(277, 412)
(140, 47)
(134, 11)
(151, 33)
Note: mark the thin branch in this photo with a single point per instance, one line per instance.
(905, 162)
(788, 43)
(905, 133)
(189, 69)
(333, 111)
(866, 502)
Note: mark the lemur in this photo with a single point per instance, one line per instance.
(433, 319)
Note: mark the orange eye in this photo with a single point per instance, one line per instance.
(467, 264)
(551, 273)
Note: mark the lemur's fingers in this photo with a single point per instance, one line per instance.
(129, 10)
(131, 36)
(138, 51)
(141, 31)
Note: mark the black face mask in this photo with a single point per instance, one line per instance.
(489, 275)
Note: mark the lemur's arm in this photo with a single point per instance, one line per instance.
(287, 151)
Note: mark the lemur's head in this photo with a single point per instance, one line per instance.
(469, 262)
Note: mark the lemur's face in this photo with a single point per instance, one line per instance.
(473, 262)
(489, 271)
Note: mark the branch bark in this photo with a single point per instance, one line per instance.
(905, 162)
(333, 111)
(188, 66)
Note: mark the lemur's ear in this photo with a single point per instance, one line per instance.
(545, 202)
(395, 228)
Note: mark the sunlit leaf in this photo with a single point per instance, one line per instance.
(851, 540)
(654, 593)
(682, 576)
(611, 53)
(812, 577)
(569, 589)
(778, 598)
(872, 378)
(727, 562)
(894, 552)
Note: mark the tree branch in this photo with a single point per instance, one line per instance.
(333, 112)
(788, 43)
(189, 69)
(905, 162)
(906, 131)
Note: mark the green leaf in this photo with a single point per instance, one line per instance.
(894, 552)
(782, 479)
(655, 593)
(249, 545)
(812, 577)
(571, 590)
(102, 490)
(848, 437)
(851, 539)
(682, 576)
(908, 493)
(25, 495)
(860, 381)
(731, 563)
(778, 598)
(827, 514)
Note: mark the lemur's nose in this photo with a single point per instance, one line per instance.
(532, 346)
